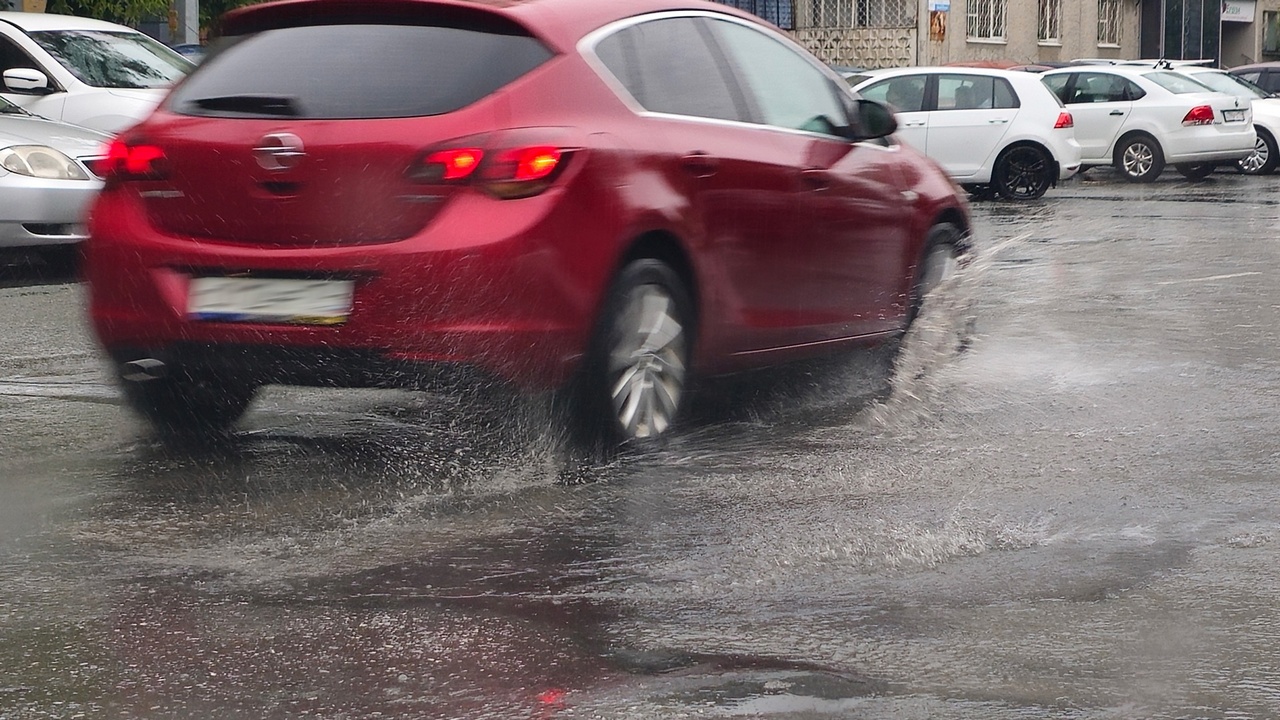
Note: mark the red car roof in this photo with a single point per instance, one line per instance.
(559, 22)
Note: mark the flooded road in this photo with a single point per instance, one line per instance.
(1059, 501)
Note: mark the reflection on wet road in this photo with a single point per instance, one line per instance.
(1058, 500)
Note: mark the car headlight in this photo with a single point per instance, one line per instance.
(41, 162)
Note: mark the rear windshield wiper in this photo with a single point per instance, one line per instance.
(262, 104)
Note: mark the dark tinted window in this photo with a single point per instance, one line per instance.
(356, 71)
(669, 67)
(1103, 87)
(901, 94)
(1057, 84)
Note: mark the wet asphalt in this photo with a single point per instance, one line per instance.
(1058, 500)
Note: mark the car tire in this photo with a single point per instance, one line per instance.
(1195, 171)
(185, 406)
(1023, 172)
(1138, 158)
(1263, 159)
(634, 384)
(938, 261)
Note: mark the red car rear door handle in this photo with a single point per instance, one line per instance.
(699, 164)
(814, 179)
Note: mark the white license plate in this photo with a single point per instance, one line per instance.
(270, 300)
(1233, 115)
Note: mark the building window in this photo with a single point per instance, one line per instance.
(1050, 21)
(825, 13)
(1108, 22)
(843, 14)
(778, 12)
(886, 13)
(986, 19)
(1271, 33)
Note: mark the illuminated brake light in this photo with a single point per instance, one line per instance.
(506, 173)
(1064, 121)
(523, 172)
(450, 165)
(535, 163)
(1199, 115)
(133, 162)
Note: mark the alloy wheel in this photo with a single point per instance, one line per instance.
(1023, 174)
(1138, 159)
(1255, 161)
(647, 362)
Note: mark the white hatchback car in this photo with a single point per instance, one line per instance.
(82, 71)
(1138, 118)
(987, 128)
(1266, 115)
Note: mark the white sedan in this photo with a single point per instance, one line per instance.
(1138, 119)
(987, 128)
(48, 177)
(1266, 115)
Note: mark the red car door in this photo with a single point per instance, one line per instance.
(846, 244)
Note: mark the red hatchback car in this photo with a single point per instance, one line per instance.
(602, 198)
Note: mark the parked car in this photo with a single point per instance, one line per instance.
(47, 179)
(87, 72)
(194, 52)
(1266, 115)
(583, 197)
(1140, 118)
(1265, 75)
(986, 127)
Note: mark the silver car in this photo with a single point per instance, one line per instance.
(47, 178)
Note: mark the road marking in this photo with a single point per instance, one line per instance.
(1210, 278)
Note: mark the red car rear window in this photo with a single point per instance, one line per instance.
(348, 71)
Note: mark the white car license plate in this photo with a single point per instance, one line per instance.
(270, 300)
(1233, 115)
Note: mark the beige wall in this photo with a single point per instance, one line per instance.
(1079, 29)
(894, 47)
(1242, 42)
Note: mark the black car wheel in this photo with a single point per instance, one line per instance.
(942, 250)
(181, 405)
(634, 389)
(1138, 158)
(1023, 172)
(1263, 159)
(1195, 171)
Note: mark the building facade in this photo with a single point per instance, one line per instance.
(894, 33)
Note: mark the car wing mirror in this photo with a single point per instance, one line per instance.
(26, 81)
(873, 120)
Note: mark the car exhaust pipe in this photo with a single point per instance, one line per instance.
(143, 370)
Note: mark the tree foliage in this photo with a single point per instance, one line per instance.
(133, 12)
(125, 12)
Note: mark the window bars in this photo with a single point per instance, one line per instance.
(1050, 21)
(987, 19)
(844, 14)
(778, 12)
(1108, 22)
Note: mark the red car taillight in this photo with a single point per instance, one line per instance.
(1064, 121)
(125, 161)
(522, 172)
(505, 172)
(447, 165)
(1199, 115)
